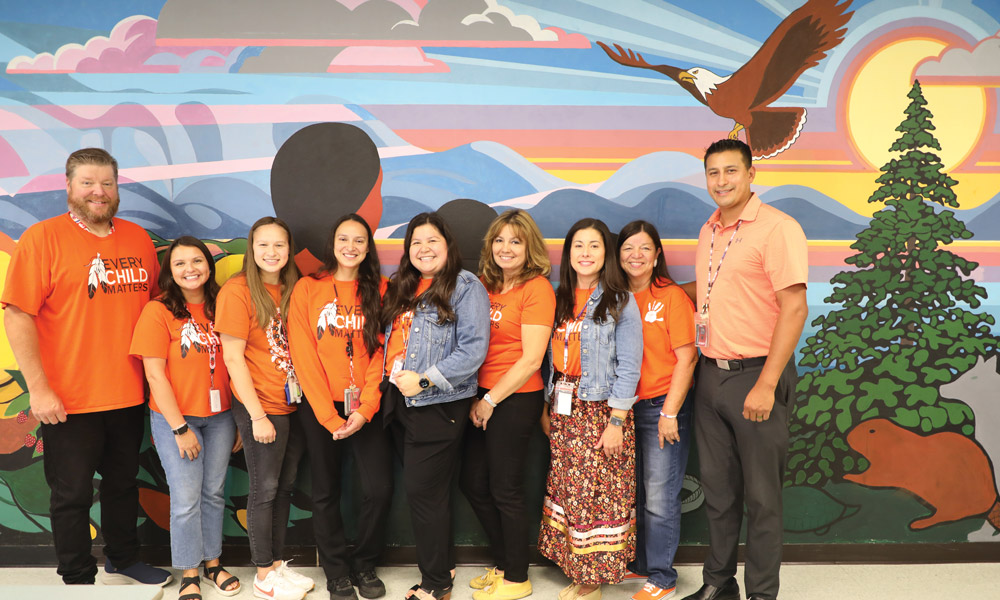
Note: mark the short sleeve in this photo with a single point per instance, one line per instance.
(151, 337)
(28, 276)
(539, 303)
(680, 316)
(233, 313)
(786, 257)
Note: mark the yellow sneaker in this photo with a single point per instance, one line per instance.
(501, 590)
(484, 581)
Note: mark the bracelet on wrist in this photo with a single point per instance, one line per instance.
(666, 416)
(255, 419)
(489, 400)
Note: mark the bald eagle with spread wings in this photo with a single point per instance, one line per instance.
(799, 43)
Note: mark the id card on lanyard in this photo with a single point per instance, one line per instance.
(405, 322)
(214, 395)
(701, 322)
(564, 388)
(352, 393)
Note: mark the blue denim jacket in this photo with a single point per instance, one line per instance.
(449, 355)
(610, 355)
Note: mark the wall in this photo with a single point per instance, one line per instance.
(511, 104)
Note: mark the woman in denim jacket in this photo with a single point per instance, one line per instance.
(437, 329)
(596, 351)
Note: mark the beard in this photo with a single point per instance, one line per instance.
(102, 215)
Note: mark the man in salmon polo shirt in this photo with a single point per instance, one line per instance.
(751, 272)
(75, 287)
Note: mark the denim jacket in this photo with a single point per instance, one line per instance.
(610, 355)
(449, 355)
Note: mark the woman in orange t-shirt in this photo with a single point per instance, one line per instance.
(514, 268)
(662, 417)
(189, 403)
(333, 331)
(250, 318)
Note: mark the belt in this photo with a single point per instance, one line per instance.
(735, 364)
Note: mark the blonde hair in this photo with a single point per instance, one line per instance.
(262, 303)
(536, 257)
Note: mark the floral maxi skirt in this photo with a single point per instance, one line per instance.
(588, 517)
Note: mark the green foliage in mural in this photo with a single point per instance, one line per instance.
(906, 322)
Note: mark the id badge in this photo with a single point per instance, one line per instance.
(564, 398)
(701, 330)
(352, 399)
(215, 400)
(397, 366)
(293, 391)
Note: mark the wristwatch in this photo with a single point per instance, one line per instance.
(617, 421)
(181, 430)
(424, 383)
(489, 400)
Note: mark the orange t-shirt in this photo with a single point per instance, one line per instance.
(768, 253)
(531, 303)
(572, 366)
(235, 315)
(86, 293)
(667, 323)
(187, 349)
(400, 333)
(323, 315)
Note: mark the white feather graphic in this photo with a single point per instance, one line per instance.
(189, 338)
(326, 317)
(97, 276)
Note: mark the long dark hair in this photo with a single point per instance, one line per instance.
(399, 297)
(171, 294)
(289, 274)
(661, 276)
(612, 280)
(369, 278)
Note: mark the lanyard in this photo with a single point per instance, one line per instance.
(277, 342)
(83, 226)
(350, 333)
(212, 343)
(566, 334)
(711, 250)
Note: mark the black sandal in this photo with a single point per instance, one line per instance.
(186, 581)
(212, 574)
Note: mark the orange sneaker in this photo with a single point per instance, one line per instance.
(651, 592)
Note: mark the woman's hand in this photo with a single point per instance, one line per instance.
(354, 422)
(263, 431)
(188, 445)
(408, 383)
(480, 413)
(668, 431)
(611, 440)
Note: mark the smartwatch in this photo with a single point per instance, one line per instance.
(181, 430)
(617, 421)
(424, 383)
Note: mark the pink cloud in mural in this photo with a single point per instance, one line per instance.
(130, 48)
(377, 59)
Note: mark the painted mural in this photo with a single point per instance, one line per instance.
(875, 124)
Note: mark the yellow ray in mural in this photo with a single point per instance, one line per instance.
(582, 175)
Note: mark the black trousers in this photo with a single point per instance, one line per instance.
(492, 478)
(105, 442)
(372, 455)
(742, 462)
(429, 441)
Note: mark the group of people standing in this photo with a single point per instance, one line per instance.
(436, 365)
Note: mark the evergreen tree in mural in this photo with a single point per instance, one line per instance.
(906, 322)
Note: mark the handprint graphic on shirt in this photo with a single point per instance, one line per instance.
(652, 312)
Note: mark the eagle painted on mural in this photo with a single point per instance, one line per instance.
(799, 43)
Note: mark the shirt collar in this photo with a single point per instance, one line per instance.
(749, 212)
(84, 227)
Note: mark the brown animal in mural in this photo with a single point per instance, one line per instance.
(947, 471)
(799, 43)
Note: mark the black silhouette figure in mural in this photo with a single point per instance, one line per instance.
(799, 43)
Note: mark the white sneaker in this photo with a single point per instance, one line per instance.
(297, 579)
(276, 587)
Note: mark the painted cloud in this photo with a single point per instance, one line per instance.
(978, 66)
(130, 48)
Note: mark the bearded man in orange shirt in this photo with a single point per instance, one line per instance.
(75, 287)
(751, 272)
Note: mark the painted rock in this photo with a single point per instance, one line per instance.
(947, 471)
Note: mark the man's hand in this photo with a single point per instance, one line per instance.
(47, 406)
(759, 402)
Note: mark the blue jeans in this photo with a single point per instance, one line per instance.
(659, 475)
(196, 486)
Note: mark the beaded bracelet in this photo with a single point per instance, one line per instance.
(663, 414)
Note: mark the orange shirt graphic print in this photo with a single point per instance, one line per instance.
(98, 276)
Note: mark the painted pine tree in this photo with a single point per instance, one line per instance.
(906, 322)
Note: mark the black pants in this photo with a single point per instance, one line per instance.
(272, 469)
(106, 442)
(492, 478)
(429, 441)
(742, 461)
(372, 454)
